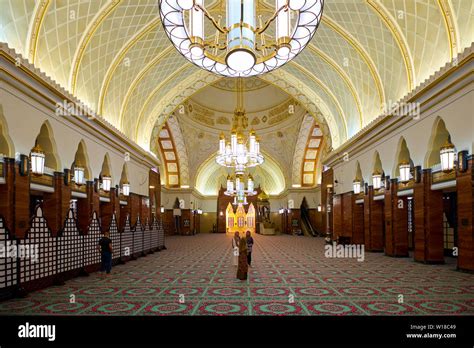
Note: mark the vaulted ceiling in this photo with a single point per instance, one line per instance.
(115, 57)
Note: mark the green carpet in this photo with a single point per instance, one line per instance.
(289, 276)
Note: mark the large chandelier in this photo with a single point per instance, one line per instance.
(253, 40)
(236, 188)
(240, 153)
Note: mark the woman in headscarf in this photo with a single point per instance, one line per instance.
(235, 249)
(243, 265)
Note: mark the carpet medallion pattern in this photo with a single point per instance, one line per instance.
(289, 276)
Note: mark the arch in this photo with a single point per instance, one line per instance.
(7, 148)
(402, 155)
(82, 158)
(358, 172)
(106, 169)
(45, 140)
(124, 176)
(377, 164)
(439, 135)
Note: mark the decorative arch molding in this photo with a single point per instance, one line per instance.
(358, 172)
(180, 149)
(450, 22)
(87, 36)
(303, 94)
(45, 139)
(362, 52)
(41, 8)
(399, 39)
(7, 148)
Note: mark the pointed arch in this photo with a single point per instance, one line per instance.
(82, 158)
(124, 178)
(402, 155)
(358, 172)
(377, 164)
(7, 148)
(439, 135)
(45, 140)
(106, 168)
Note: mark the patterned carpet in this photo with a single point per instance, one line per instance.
(195, 277)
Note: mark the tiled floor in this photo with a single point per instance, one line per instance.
(290, 276)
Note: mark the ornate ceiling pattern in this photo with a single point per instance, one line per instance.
(115, 57)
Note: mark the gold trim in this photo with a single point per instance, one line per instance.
(152, 94)
(399, 39)
(115, 143)
(35, 32)
(450, 25)
(119, 58)
(378, 124)
(77, 59)
(328, 91)
(345, 78)
(138, 79)
(365, 56)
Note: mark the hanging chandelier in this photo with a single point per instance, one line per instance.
(253, 41)
(236, 188)
(239, 153)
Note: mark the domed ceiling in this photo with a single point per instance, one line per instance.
(116, 58)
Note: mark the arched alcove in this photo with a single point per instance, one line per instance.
(45, 140)
(6, 145)
(377, 164)
(106, 168)
(439, 136)
(124, 177)
(402, 155)
(81, 158)
(358, 172)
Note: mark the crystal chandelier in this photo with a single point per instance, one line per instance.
(236, 188)
(239, 153)
(254, 40)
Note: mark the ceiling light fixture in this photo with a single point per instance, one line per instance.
(252, 42)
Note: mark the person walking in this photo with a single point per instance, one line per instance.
(249, 239)
(235, 249)
(243, 265)
(105, 249)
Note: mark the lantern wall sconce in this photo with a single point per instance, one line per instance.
(356, 186)
(405, 170)
(79, 174)
(37, 159)
(106, 183)
(320, 208)
(126, 189)
(377, 180)
(447, 154)
(162, 209)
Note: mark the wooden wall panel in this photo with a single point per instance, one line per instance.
(358, 223)
(396, 222)
(135, 204)
(347, 221)
(327, 179)
(7, 194)
(56, 204)
(337, 216)
(168, 222)
(373, 222)
(465, 199)
(428, 208)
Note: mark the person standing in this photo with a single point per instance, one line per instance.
(243, 265)
(249, 239)
(235, 249)
(105, 249)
